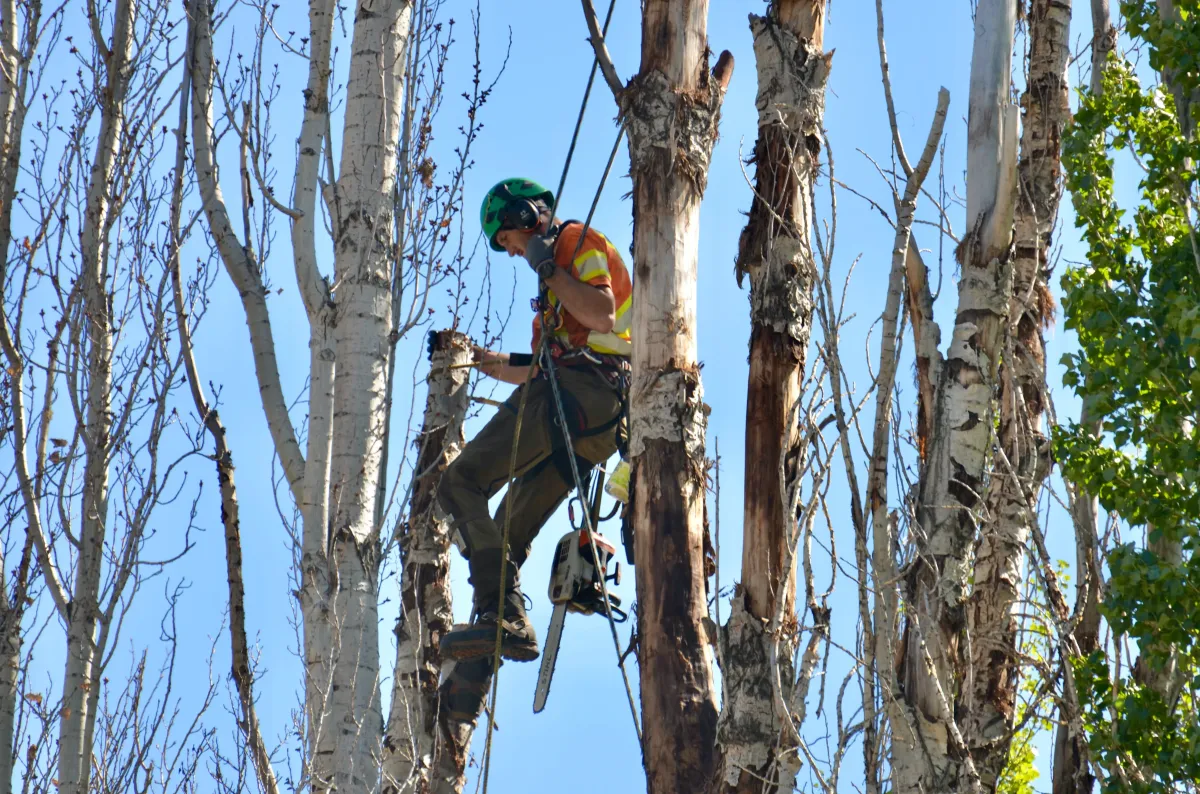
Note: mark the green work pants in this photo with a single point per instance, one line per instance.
(543, 474)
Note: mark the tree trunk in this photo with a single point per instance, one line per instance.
(775, 249)
(1023, 459)
(315, 575)
(346, 742)
(671, 111)
(12, 611)
(13, 76)
(81, 680)
(421, 752)
(10, 666)
(934, 757)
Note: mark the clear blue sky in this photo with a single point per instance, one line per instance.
(584, 742)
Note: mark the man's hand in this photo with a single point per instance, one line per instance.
(539, 253)
(499, 365)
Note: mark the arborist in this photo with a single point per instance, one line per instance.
(585, 304)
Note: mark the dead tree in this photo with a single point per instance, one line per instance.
(775, 250)
(1022, 460)
(670, 111)
(425, 750)
(929, 751)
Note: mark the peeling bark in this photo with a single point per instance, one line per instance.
(775, 251)
(933, 756)
(671, 111)
(424, 751)
(1023, 460)
(927, 338)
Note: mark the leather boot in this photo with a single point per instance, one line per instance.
(518, 640)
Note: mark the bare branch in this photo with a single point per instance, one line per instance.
(602, 55)
(239, 260)
(313, 288)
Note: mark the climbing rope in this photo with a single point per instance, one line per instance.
(543, 358)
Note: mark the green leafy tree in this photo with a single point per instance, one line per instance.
(1135, 307)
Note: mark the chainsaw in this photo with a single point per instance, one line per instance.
(577, 578)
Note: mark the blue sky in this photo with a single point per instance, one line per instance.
(584, 741)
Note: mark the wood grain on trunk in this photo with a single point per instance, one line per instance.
(671, 110)
(755, 745)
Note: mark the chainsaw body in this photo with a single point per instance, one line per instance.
(577, 576)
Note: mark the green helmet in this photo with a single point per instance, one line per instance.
(496, 214)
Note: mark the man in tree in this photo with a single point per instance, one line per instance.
(585, 307)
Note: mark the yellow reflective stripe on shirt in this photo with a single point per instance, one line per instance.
(609, 343)
(623, 317)
(590, 264)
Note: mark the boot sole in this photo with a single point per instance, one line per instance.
(462, 650)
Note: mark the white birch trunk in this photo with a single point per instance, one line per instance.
(1023, 461)
(933, 756)
(314, 570)
(345, 743)
(12, 116)
(81, 679)
(755, 731)
(417, 756)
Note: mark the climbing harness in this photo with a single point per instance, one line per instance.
(547, 364)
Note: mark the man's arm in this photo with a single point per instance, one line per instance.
(594, 306)
(496, 365)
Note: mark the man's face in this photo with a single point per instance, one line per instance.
(513, 240)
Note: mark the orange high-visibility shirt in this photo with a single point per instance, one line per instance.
(599, 265)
